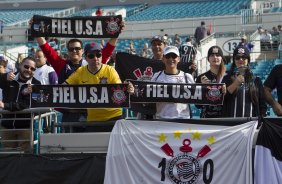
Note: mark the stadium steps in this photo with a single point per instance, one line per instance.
(268, 55)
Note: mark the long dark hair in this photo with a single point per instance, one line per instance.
(249, 81)
(221, 71)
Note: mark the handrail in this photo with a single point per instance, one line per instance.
(42, 112)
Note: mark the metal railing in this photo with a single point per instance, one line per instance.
(36, 116)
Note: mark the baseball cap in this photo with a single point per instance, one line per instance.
(215, 50)
(160, 38)
(90, 47)
(244, 37)
(188, 38)
(2, 58)
(241, 51)
(171, 49)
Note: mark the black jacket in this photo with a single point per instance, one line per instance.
(14, 100)
(239, 103)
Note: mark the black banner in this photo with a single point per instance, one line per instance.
(138, 68)
(80, 96)
(203, 94)
(78, 27)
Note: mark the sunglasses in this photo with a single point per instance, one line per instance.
(241, 57)
(72, 49)
(215, 54)
(29, 67)
(170, 55)
(92, 55)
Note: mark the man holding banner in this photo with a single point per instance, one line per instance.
(71, 27)
(96, 73)
(16, 96)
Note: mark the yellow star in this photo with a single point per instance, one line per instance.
(211, 140)
(177, 134)
(196, 135)
(189, 130)
(162, 137)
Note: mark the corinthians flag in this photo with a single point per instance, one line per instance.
(268, 154)
(166, 152)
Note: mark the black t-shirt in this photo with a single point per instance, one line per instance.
(274, 80)
(209, 111)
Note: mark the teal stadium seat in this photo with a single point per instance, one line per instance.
(190, 9)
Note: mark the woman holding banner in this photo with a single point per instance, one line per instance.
(245, 94)
(172, 75)
(214, 75)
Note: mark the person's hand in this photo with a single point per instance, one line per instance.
(27, 90)
(277, 108)
(205, 80)
(130, 87)
(224, 90)
(30, 22)
(240, 79)
(11, 76)
(1, 105)
(122, 26)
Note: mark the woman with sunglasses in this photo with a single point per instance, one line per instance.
(171, 74)
(214, 75)
(245, 94)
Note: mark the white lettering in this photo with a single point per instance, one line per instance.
(78, 27)
(104, 95)
(89, 28)
(175, 91)
(99, 30)
(187, 95)
(94, 97)
(54, 25)
(72, 99)
(198, 93)
(82, 94)
(56, 94)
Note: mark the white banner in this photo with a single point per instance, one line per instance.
(153, 152)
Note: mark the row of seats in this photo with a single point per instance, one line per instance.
(276, 9)
(89, 11)
(190, 9)
(12, 16)
(157, 12)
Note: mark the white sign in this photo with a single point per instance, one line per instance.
(230, 45)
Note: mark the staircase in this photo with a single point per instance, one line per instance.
(267, 55)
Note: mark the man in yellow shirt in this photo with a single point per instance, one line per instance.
(96, 73)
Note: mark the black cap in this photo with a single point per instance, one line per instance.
(241, 51)
(90, 47)
(215, 50)
(163, 39)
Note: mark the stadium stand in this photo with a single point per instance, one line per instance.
(159, 12)
(165, 11)
(12, 16)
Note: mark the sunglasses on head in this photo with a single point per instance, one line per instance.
(215, 54)
(72, 49)
(92, 55)
(29, 67)
(241, 57)
(170, 55)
